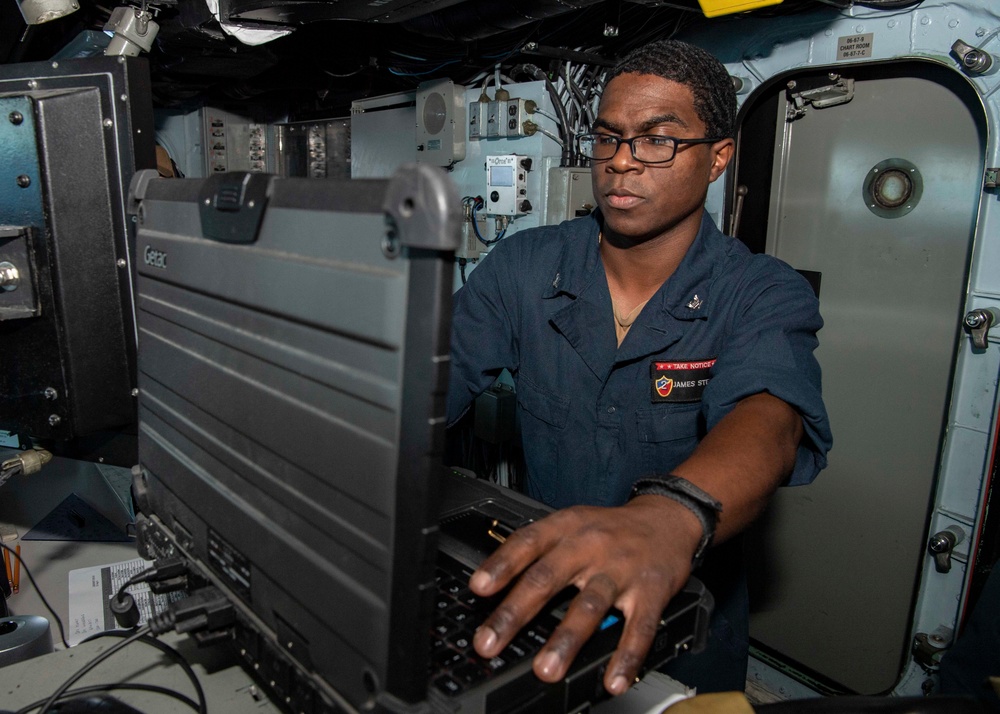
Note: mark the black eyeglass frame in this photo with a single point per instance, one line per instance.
(619, 141)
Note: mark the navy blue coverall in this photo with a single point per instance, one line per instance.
(596, 417)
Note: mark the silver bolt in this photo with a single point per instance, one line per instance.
(121, 262)
(10, 278)
(124, 97)
(32, 84)
(108, 123)
(54, 419)
(23, 180)
(15, 118)
(51, 394)
(135, 392)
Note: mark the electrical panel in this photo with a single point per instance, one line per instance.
(317, 149)
(507, 185)
(233, 142)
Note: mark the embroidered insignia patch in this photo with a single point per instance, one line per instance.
(680, 381)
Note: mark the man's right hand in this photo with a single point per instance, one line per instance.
(633, 557)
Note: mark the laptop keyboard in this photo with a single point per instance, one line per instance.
(455, 666)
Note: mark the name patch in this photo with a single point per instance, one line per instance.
(680, 381)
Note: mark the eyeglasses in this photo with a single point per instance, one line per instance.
(649, 149)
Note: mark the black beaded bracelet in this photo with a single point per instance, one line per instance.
(684, 492)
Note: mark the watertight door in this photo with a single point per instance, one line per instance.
(877, 190)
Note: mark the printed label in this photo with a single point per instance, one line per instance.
(681, 381)
(855, 46)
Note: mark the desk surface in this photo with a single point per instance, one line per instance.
(25, 500)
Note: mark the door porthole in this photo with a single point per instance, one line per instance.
(892, 188)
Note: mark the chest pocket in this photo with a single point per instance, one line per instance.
(543, 422)
(667, 435)
(541, 404)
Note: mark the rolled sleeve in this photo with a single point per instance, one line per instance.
(772, 338)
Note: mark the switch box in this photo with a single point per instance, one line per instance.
(507, 185)
(570, 194)
(499, 119)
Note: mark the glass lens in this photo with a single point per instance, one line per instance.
(598, 146)
(653, 148)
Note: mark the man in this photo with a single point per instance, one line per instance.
(643, 343)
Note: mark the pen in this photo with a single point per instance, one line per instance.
(17, 569)
(6, 563)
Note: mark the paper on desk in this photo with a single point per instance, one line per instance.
(90, 590)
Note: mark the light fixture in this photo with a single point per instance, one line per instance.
(35, 12)
(132, 31)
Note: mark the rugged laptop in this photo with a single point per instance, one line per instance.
(293, 355)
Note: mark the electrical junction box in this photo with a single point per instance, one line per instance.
(440, 132)
(500, 119)
(506, 185)
(570, 194)
(472, 245)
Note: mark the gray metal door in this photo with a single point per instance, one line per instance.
(879, 194)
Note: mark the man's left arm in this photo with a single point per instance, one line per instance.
(741, 462)
(637, 556)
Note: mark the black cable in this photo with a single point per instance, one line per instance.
(120, 686)
(475, 229)
(137, 578)
(88, 667)
(62, 632)
(176, 656)
(535, 72)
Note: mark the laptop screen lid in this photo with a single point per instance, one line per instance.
(293, 348)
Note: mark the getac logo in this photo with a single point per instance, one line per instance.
(155, 258)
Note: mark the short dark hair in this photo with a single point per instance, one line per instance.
(684, 63)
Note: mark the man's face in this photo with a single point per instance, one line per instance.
(644, 202)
